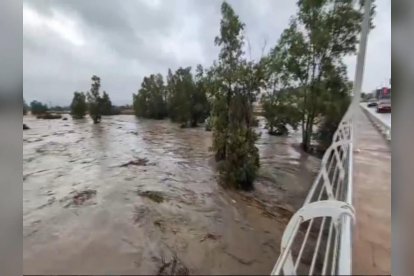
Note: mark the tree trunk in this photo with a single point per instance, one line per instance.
(225, 150)
(308, 133)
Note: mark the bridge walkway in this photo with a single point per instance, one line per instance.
(372, 200)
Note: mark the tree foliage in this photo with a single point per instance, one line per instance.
(187, 100)
(236, 87)
(180, 91)
(94, 100)
(150, 101)
(200, 106)
(309, 56)
(106, 104)
(183, 98)
(38, 108)
(335, 102)
(280, 110)
(78, 106)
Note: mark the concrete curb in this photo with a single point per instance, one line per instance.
(383, 128)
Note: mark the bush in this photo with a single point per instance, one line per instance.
(49, 116)
(38, 108)
(78, 106)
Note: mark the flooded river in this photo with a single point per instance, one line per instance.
(128, 195)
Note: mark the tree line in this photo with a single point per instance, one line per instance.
(182, 98)
(91, 102)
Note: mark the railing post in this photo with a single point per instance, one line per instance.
(359, 71)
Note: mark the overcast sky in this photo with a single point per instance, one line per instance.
(66, 42)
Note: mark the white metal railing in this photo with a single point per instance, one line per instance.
(318, 237)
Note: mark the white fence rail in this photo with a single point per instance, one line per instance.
(318, 238)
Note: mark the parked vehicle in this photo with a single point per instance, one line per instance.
(372, 102)
(383, 96)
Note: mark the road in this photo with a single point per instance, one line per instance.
(384, 117)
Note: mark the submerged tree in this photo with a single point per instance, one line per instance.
(150, 101)
(335, 102)
(38, 108)
(180, 90)
(106, 104)
(233, 135)
(317, 39)
(279, 103)
(200, 106)
(187, 100)
(280, 111)
(78, 106)
(94, 100)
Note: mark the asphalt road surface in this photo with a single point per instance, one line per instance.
(384, 117)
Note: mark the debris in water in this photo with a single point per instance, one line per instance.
(153, 195)
(160, 223)
(139, 213)
(64, 118)
(137, 162)
(172, 267)
(210, 236)
(48, 116)
(80, 197)
(241, 260)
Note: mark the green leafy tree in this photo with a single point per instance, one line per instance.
(233, 135)
(335, 102)
(94, 100)
(187, 96)
(150, 101)
(180, 89)
(38, 108)
(200, 104)
(106, 104)
(313, 45)
(78, 106)
(280, 110)
(187, 99)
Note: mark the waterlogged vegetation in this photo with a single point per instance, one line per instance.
(303, 84)
(193, 128)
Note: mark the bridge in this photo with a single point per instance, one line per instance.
(344, 225)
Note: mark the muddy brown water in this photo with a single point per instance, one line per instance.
(125, 195)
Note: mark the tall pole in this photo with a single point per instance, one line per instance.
(359, 72)
(345, 255)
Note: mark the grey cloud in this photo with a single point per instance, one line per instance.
(126, 40)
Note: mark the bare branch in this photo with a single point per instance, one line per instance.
(264, 47)
(249, 48)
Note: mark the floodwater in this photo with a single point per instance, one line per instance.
(87, 208)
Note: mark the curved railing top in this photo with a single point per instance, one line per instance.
(318, 237)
